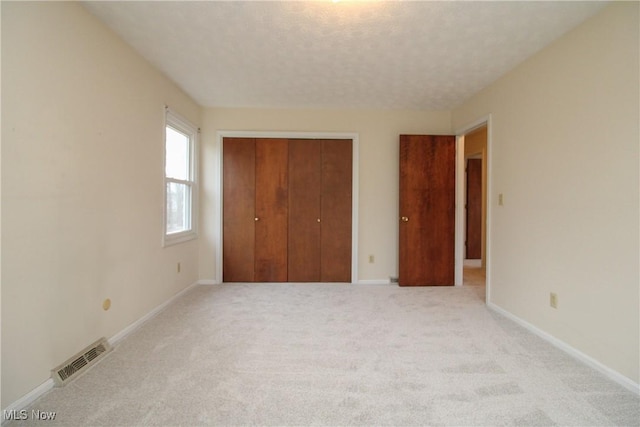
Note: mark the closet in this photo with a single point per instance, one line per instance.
(287, 210)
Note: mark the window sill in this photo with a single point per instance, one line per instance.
(176, 238)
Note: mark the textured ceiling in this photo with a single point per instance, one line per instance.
(317, 54)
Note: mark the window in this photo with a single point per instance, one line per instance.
(179, 180)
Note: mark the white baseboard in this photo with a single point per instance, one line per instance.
(34, 394)
(28, 398)
(587, 360)
(373, 282)
(135, 325)
(209, 282)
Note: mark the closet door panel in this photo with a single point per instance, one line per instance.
(271, 210)
(337, 157)
(304, 210)
(238, 209)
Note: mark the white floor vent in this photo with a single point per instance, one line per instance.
(80, 362)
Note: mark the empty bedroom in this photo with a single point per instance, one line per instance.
(320, 213)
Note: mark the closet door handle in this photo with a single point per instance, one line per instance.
(256, 219)
(405, 219)
(318, 219)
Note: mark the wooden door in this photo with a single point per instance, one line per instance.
(287, 210)
(427, 210)
(271, 210)
(335, 228)
(238, 230)
(305, 175)
(474, 209)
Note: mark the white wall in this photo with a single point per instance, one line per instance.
(378, 171)
(82, 190)
(565, 155)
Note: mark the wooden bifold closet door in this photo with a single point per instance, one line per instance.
(335, 209)
(255, 178)
(320, 178)
(287, 210)
(305, 176)
(271, 210)
(238, 211)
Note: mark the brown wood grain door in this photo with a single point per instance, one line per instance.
(474, 209)
(427, 210)
(335, 228)
(305, 177)
(271, 209)
(287, 210)
(238, 230)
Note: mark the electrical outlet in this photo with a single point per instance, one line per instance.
(371, 259)
(178, 267)
(553, 300)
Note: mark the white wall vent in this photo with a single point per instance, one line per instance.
(80, 362)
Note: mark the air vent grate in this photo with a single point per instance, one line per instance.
(80, 362)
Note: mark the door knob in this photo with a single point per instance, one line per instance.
(405, 219)
(318, 219)
(256, 219)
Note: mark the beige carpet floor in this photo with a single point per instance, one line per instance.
(337, 355)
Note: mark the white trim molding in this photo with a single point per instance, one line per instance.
(571, 351)
(353, 136)
(34, 394)
(180, 124)
(460, 183)
(459, 212)
(27, 399)
(374, 282)
(135, 325)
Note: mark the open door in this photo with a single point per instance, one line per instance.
(474, 209)
(427, 210)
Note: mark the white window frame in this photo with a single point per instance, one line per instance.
(182, 125)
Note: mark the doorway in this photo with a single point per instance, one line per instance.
(473, 184)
